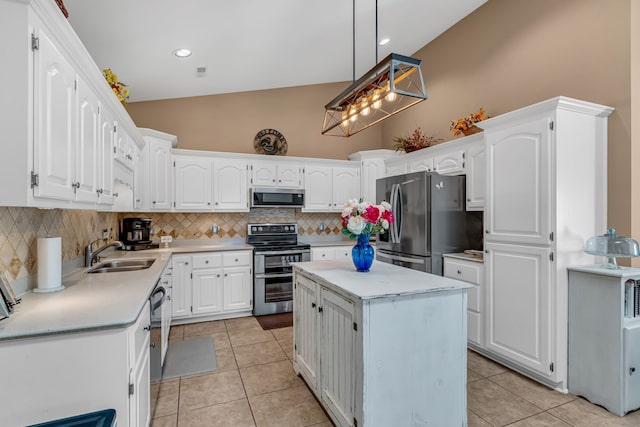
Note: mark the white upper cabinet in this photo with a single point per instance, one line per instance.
(275, 174)
(476, 176)
(54, 121)
(106, 138)
(88, 144)
(192, 183)
(518, 192)
(328, 188)
(160, 179)
(230, 185)
(420, 164)
(450, 163)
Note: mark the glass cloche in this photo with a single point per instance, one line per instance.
(612, 246)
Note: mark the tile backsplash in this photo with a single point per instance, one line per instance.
(21, 227)
(188, 225)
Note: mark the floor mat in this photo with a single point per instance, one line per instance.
(188, 357)
(275, 321)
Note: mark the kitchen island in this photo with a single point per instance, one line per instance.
(382, 348)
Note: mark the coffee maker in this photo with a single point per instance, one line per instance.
(135, 234)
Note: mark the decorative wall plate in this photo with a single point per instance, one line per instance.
(270, 141)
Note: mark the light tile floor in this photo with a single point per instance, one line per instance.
(255, 386)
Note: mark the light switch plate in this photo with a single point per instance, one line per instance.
(166, 239)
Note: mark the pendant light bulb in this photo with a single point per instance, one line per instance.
(353, 114)
(391, 96)
(376, 101)
(365, 107)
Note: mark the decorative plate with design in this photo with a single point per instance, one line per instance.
(270, 141)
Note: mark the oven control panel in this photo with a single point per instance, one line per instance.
(258, 229)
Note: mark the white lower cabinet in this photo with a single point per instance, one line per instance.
(518, 296)
(212, 283)
(79, 373)
(368, 370)
(473, 273)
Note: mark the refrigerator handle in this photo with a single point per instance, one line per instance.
(392, 202)
(399, 210)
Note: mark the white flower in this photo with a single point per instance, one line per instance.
(385, 224)
(347, 211)
(386, 206)
(356, 224)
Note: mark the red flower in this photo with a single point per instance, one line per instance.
(388, 215)
(371, 214)
(345, 221)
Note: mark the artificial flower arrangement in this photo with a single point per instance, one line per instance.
(463, 125)
(361, 217)
(117, 87)
(416, 141)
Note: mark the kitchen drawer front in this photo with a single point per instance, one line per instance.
(323, 254)
(208, 260)
(237, 259)
(343, 252)
(473, 327)
(140, 331)
(473, 299)
(469, 272)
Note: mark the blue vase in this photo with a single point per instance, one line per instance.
(362, 253)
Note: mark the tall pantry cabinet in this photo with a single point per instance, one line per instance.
(546, 194)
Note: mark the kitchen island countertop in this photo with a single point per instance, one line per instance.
(384, 280)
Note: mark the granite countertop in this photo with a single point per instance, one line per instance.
(97, 301)
(383, 281)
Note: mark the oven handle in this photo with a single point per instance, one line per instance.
(271, 276)
(287, 252)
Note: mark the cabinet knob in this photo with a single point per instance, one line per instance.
(154, 202)
(320, 309)
(313, 305)
(186, 263)
(279, 180)
(225, 274)
(208, 203)
(273, 180)
(236, 260)
(218, 275)
(468, 199)
(632, 370)
(206, 262)
(147, 328)
(459, 272)
(486, 231)
(323, 255)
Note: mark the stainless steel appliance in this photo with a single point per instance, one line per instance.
(135, 234)
(430, 220)
(160, 328)
(266, 197)
(275, 247)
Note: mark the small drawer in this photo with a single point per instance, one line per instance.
(343, 252)
(232, 259)
(210, 260)
(323, 254)
(462, 271)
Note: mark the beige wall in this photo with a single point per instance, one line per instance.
(230, 122)
(513, 53)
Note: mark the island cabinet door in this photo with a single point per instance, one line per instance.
(337, 376)
(306, 329)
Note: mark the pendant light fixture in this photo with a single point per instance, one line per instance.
(391, 86)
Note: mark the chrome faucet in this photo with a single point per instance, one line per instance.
(90, 257)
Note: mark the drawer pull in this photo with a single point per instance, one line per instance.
(206, 261)
(459, 272)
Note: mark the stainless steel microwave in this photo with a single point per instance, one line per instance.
(265, 197)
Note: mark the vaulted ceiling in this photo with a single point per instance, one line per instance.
(245, 45)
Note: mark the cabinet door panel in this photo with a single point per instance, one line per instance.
(230, 182)
(237, 288)
(106, 144)
(518, 182)
(450, 164)
(631, 369)
(518, 297)
(318, 188)
(55, 122)
(476, 177)
(160, 181)
(192, 184)
(289, 176)
(338, 356)
(87, 145)
(181, 286)
(305, 313)
(264, 174)
(346, 186)
(207, 291)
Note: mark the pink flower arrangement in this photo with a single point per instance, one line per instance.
(361, 217)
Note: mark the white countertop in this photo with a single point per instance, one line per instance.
(382, 281)
(96, 301)
(466, 257)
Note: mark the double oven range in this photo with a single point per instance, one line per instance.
(275, 246)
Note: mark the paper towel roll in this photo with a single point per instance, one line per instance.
(49, 264)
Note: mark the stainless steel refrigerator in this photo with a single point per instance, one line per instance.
(430, 220)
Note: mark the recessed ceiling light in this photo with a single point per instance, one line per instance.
(384, 41)
(182, 53)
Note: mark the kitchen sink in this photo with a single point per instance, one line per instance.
(122, 265)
